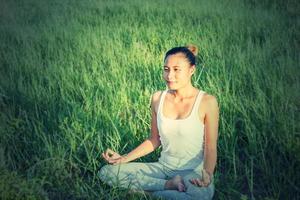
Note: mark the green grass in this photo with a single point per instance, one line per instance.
(76, 77)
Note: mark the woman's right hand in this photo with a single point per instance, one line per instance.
(113, 157)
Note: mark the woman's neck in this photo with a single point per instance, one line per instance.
(184, 93)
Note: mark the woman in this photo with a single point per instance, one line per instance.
(185, 122)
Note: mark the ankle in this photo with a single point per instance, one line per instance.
(167, 185)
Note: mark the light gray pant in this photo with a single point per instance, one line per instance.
(152, 177)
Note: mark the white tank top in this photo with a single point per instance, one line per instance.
(181, 139)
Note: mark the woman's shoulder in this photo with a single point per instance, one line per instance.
(155, 99)
(156, 95)
(208, 97)
(209, 101)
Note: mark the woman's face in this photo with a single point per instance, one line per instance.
(177, 71)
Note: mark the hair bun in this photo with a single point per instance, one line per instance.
(192, 48)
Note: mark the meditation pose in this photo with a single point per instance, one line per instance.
(185, 124)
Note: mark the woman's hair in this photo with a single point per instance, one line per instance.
(190, 51)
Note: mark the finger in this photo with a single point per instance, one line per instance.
(115, 156)
(108, 152)
(104, 156)
(116, 161)
(193, 181)
(200, 183)
(112, 154)
(205, 183)
(111, 161)
(196, 182)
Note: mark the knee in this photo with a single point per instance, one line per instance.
(110, 173)
(205, 193)
(104, 172)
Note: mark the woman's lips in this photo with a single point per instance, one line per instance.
(171, 81)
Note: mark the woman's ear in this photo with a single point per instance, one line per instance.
(193, 69)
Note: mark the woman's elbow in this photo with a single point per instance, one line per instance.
(155, 142)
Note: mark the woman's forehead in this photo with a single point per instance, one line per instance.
(178, 59)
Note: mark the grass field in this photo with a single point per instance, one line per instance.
(76, 77)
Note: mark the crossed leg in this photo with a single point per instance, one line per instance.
(135, 175)
(152, 177)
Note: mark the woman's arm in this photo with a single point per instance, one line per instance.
(211, 134)
(211, 121)
(149, 145)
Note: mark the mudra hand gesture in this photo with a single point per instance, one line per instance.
(204, 182)
(113, 157)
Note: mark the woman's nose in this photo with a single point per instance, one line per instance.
(171, 75)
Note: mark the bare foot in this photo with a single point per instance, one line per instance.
(176, 183)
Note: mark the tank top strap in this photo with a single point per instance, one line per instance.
(197, 102)
(161, 101)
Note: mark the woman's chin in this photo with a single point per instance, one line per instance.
(172, 87)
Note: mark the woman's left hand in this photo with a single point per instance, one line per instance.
(119, 160)
(204, 182)
(113, 157)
